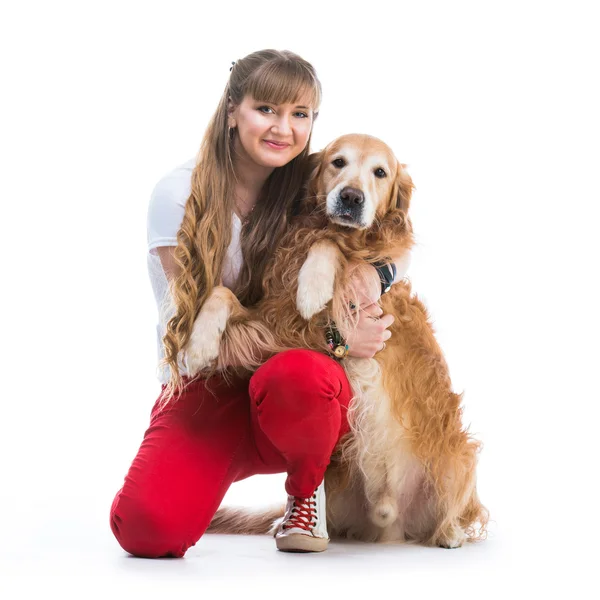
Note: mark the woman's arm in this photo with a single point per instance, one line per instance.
(170, 267)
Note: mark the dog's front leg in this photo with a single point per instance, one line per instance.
(203, 346)
(228, 335)
(317, 278)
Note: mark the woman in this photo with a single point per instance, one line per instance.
(292, 412)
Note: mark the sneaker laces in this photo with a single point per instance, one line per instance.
(303, 512)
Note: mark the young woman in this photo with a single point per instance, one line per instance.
(218, 218)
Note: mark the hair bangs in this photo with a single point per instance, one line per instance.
(285, 83)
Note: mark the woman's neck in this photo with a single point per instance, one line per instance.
(250, 179)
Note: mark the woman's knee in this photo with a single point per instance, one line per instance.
(310, 375)
(147, 530)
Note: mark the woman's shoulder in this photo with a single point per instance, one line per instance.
(175, 186)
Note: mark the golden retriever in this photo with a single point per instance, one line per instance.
(406, 470)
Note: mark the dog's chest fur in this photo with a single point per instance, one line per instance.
(390, 476)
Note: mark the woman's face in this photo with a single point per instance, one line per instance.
(260, 125)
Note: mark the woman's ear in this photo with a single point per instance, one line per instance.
(231, 113)
(402, 189)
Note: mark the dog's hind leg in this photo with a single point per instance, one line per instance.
(431, 414)
(460, 515)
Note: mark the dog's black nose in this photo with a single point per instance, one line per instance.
(352, 197)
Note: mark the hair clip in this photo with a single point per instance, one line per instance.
(232, 63)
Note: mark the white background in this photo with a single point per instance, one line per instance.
(493, 105)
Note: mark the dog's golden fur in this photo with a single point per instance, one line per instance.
(406, 470)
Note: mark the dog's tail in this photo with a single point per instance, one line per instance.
(245, 521)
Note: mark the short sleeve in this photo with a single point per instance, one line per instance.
(167, 207)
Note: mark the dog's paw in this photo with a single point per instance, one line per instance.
(384, 513)
(354, 534)
(313, 300)
(453, 538)
(316, 279)
(203, 346)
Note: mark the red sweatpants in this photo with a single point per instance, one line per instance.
(287, 419)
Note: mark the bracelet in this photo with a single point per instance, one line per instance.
(387, 274)
(336, 342)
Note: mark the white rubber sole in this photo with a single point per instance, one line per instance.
(297, 542)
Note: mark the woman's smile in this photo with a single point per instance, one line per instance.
(276, 145)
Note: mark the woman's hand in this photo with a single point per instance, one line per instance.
(370, 333)
(372, 329)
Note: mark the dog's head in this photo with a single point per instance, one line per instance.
(358, 179)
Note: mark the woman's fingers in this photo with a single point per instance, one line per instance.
(386, 320)
(372, 331)
(373, 310)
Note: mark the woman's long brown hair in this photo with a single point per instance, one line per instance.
(271, 76)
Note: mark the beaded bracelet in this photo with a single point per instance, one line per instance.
(336, 342)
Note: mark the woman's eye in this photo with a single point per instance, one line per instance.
(268, 108)
(380, 173)
(339, 163)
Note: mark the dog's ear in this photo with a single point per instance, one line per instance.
(313, 166)
(307, 199)
(402, 189)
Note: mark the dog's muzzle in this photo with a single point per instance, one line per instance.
(348, 209)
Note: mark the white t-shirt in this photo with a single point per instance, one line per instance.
(165, 215)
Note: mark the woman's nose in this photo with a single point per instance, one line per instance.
(282, 126)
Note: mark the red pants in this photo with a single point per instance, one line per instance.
(288, 419)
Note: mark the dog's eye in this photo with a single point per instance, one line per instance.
(339, 163)
(380, 173)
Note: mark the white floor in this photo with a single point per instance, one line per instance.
(60, 546)
(250, 566)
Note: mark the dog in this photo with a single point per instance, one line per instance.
(406, 471)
